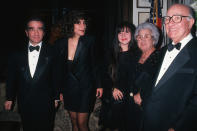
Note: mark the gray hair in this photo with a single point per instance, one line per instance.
(154, 30)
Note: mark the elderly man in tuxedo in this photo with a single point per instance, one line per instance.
(172, 105)
(33, 80)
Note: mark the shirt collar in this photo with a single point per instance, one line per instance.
(185, 40)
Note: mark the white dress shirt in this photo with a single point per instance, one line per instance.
(170, 56)
(33, 58)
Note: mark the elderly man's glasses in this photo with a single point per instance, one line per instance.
(141, 37)
(174, 18)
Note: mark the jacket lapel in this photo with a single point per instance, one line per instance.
(26, 68)
(178, 62)
(42, 62)
(78, 50)
(163, 51)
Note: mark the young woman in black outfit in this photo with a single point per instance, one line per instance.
(117, 79)
(79, 69)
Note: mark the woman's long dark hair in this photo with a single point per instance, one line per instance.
(116, 49)
(120, 27)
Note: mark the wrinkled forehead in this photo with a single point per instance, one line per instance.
(178, 10)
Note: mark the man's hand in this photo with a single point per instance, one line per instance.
(137, 99)
(99, 92)
(8, 105)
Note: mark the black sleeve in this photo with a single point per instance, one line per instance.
(11, 83)
(95, 62)
(58, 65)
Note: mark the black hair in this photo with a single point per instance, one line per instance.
(120, 27)
(116, 49)
(34, 18)
(71, 18)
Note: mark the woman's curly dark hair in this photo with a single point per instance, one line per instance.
(71, 18)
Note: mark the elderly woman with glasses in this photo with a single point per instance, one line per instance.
(146, 62)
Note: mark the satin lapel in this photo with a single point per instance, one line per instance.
(79, 54)
(26, 69)
(178, 62)
(42, 62)
(64, 50)
(163, 52)
(78, 50)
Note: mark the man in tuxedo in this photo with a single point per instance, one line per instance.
(33, 80)
(172, 105)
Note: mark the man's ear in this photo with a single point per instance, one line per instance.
(26, 33)
(191, 23)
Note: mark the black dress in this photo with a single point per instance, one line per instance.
(145, 73)
(118, 111)
(78, 75)
(144, 79)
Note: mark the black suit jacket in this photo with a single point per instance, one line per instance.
(84, 62)
(80, 82)
(35, 95)
(173, 103)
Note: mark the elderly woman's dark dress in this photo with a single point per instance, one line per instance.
(144, 75)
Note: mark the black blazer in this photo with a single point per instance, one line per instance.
(85, 69)
(80, 82)
(35, 95)
(173, 103)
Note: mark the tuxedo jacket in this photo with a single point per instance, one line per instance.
(80, 81)
(35, 96)
(173, 102)
(84, 62)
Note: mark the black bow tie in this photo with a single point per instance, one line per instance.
(32, 48)
(171, 46)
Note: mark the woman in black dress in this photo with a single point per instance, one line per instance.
(118, 65)
(146, 62)
(79, 70)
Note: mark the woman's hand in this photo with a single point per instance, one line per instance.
(57, 103)
(138, 99)
(61, 97)
(8, 105)
(99, 92)
(117, 94)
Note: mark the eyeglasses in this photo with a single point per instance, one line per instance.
(175, 18)
(141, 37)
